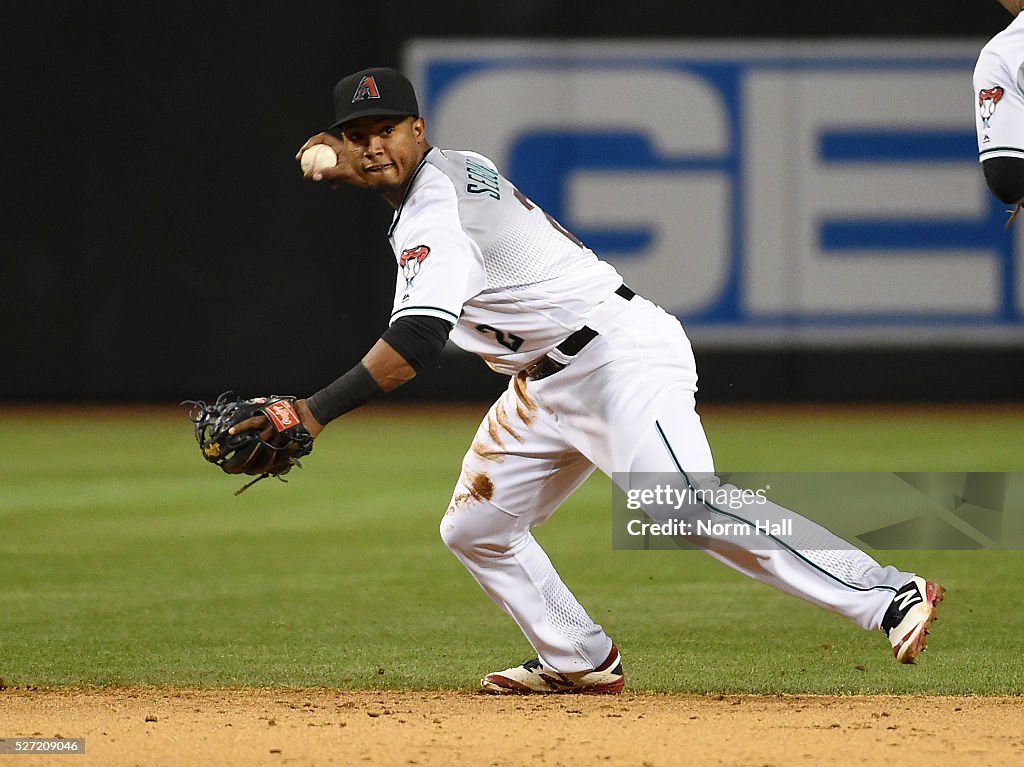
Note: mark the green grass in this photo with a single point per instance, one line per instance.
(126, 560)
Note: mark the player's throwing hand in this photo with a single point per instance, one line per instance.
(342, 173)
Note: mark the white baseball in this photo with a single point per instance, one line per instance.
(317, 158)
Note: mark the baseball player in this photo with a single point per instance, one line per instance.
(999, 109)
(599, 377)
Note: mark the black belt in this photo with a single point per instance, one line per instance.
(571, 346)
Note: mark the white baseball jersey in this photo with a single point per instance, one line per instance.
(473, 250)
(999, 94)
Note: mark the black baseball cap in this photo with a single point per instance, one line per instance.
(373, 92)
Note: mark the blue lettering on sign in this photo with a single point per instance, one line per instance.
(960, 234)
(750, 194)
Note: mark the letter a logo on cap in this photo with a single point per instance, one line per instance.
(367, 89)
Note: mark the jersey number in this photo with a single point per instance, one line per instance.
(509, 340)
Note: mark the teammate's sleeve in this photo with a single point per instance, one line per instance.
(418, 338)
(999, 102)
(1005, 177)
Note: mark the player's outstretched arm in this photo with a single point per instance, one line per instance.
(381, 370)
(342, 173)
(408, 346)
(388, 368)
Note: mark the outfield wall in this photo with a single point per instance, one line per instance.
(161, 244)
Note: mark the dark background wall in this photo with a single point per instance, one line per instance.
(159, 242)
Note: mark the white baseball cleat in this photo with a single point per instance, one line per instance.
(533, 677)
(909, 617)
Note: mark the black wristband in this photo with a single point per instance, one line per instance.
(354, 388)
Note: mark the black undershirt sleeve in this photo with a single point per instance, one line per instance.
(1005, 177)
(418, 338)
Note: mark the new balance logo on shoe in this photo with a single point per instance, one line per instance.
(910, 615)
(908, 597)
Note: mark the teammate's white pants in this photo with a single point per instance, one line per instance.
(625, 405)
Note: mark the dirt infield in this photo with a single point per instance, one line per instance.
(329, 727)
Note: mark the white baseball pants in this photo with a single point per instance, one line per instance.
(624, 404)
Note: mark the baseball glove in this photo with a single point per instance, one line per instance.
(248, 452)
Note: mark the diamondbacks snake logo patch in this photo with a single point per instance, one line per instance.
(410, 262)
(987, 101)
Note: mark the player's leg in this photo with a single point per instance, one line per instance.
(516, 473)
(651, 430)
(784, 549)
(806, 560)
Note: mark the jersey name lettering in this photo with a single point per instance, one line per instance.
(482, 180)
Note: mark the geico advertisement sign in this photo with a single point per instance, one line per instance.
(762, 192)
